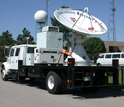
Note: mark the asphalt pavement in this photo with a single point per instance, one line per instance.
(34, 94)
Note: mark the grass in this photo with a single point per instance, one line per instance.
(1, 64)
(117, 88)
(92, 64)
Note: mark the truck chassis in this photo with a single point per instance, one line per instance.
(60, 78)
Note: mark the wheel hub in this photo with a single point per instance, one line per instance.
(51, 82)
(3, 73)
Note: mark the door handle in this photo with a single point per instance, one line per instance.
(52, 56)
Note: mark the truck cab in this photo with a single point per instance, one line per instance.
(18, 52)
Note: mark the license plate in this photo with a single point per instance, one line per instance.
(86, 78)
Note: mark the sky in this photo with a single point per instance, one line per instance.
(17, 14)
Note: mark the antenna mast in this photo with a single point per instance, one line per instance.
(112, 26)
(47, 1)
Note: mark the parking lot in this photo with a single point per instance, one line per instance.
(34, 94)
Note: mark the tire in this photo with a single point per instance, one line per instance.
(53, 83)
(99, 64)
(3, 75)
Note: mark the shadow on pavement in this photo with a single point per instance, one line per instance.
(76, 93)
(103, 93)
(38, 83)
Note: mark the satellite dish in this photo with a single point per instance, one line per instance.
(80, 21)
(40, 16)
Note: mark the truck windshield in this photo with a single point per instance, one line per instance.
(101, 56)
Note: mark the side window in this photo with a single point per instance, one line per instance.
(17, 52)
(37, 51)
(12, 52)
(30, 50)
(101, 56)
(108, 56)
(84, 57)
(122, 56)
(116, 56)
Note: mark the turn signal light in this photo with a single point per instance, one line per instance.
(69, 62)
(69, 81)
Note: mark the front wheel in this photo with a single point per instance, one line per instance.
(3, 74)
(53, 83)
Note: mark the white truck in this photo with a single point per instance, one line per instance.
(108, 59)
(47, 60)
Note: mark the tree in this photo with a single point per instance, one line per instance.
(22, 38)
(5, 40)
(62, 28)
(94, 46)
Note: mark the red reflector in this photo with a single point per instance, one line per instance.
(73, 68)
(87, 74)
(70, 81)
(111, 73)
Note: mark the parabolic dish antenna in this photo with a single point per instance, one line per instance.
(40, 16)
(80, 21)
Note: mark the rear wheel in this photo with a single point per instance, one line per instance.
(3, 74)
(53, 83)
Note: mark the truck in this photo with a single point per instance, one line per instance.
(47, 59)
(108, 58)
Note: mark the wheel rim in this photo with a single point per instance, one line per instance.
(51, 82)
(3, 73)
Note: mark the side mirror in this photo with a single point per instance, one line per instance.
(6, 51)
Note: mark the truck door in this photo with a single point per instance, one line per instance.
(121, 60)
(14, 58)
(30, 56)
(108, 60)
(100, 60)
